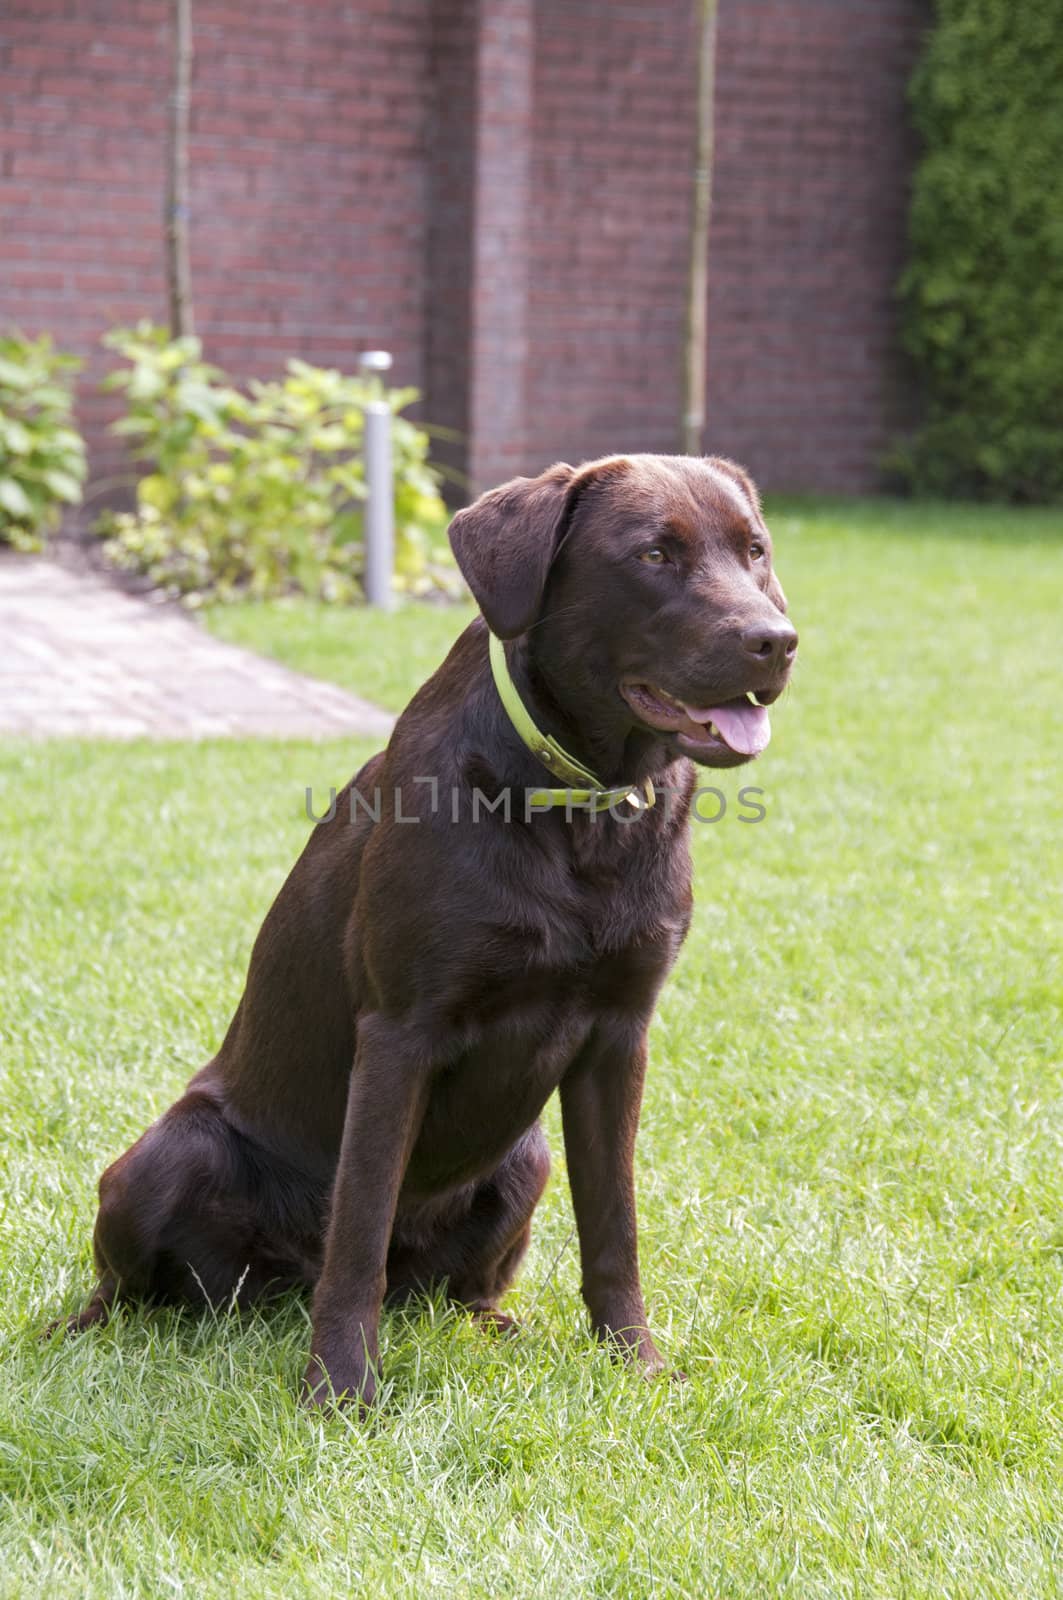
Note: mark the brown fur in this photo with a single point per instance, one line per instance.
(369, 1126)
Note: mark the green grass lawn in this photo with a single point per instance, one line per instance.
(850, 1171)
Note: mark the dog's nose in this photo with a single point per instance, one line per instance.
(774, 642)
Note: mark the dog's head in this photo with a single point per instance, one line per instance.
(646, 589)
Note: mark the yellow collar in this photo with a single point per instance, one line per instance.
(588, 793)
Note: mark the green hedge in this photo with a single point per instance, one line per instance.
(983, 292)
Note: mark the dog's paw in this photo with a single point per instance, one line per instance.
(650, 1365)
(491, 1320)
(95, 1312)
(655, 1369)
(337, 1386)
(634, 1346)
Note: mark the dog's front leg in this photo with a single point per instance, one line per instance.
(385, 1105)
(601, 1096)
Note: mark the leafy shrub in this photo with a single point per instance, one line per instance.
(261, 491)
(42, 455)
(984, 289)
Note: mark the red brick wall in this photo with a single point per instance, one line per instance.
(308, 192)
(613, 152)
(498, 191)
(501, 264)
(479, 162)
(452, 157)
(806, 241)
(807, 236)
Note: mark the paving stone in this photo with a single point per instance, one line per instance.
(78, 657)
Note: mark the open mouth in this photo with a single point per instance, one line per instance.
(740, 726)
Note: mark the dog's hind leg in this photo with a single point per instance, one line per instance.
(138, 1195)
(188, 1214)
(136, 1199)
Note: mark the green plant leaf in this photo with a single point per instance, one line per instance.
(14, 376)
(17, 439)
(63, 484)
(14, 499)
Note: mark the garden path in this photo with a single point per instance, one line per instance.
(81, 658)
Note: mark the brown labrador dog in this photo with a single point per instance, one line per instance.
(419, 988)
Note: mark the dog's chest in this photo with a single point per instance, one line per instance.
(527, 994)
(617, 892)
(600, 934)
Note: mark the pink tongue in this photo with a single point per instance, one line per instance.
(742, 725)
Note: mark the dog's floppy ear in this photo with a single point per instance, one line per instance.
(504, 544)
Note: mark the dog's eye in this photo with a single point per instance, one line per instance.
(655, 557)
(756, 552)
